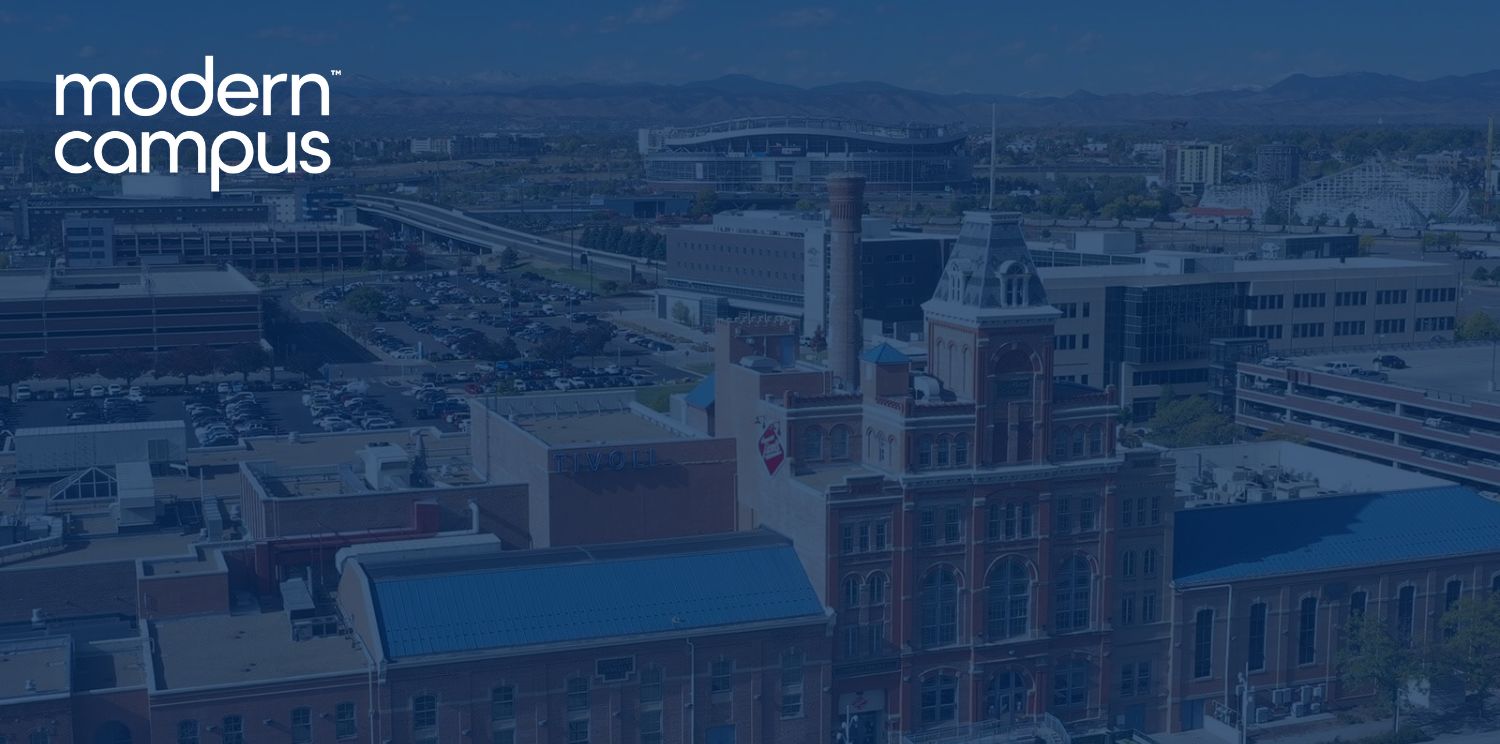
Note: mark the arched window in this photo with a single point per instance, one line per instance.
(851, 591)
(1096, 440)
(1078, 442)
(1148, 562)
(939, 703)
(939, 608)
(869, 443)
(942, 451)
(961, 450)
(1073, 591)
(1127, 563)
(424, 715)
(1059, 444)
(838, 442)
(924, 451)
(812, 444)
(875, 589)
(880, 443)
(1009, 609)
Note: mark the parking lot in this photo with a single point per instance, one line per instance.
(544, 335)
(268, 412)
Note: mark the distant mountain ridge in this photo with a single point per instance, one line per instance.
(491, 101)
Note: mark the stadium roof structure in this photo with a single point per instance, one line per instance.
(1217, 545)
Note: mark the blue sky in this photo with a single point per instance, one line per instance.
(994, 46)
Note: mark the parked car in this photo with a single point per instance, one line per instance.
(1369, 374)
(1390, 361)
(1339, 368)
(22, 392)
(1275, 361)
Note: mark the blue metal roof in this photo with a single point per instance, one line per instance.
(1222, 544)
(523, 603)
(702, 395)
(884, 354)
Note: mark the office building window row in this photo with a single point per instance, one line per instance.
(1437, 294)
(1391, 325)
(1349, 328)
(1350, 299)
(1307, 330)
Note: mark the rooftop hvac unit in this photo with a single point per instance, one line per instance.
(1319, 691)
(1304, 694)
(1315, 708)
(1298, 710)
(1282, 696)
(1262, 714)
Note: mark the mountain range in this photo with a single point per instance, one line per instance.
(499, 100)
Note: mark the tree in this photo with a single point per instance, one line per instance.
(1374, 657)
(706, 202)
(509, 257)
(1471, 645)
(1480, 275)
(1478, 326)
(125, 366)
(1189, 422)
(594, 338)
(557, 346)
(60, 365)
(244, 359)
(609, 286)
(187, 361)
(680, 312)
(1351, 221)
(1366, 242)
(14, 368)
(367, 301)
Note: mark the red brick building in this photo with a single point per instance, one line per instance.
(993, 561)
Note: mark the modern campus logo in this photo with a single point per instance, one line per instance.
(193, 95)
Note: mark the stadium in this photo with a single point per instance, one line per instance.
(800, 152)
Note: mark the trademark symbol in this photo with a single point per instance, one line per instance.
(335, 73)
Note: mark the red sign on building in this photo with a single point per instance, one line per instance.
(771, 450)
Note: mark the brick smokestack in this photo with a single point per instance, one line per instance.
(846, 207)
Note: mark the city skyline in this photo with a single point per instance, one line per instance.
(1022, 50)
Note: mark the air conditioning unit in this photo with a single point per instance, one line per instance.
(1282, 696)
(1319, 691)
(1262, 714)
(1304, 694)
(1298, 710)
(1315, 708)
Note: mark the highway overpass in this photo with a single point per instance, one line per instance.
(487, 237)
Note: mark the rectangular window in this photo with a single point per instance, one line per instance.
(1143, 678)
(1265, 302)
(651, 727)
(1444, 323)
(578, 693)
(927, 527)
(1452, 592)
(424, 712)
(952, 524)
(1390, 297)
(1391, 325)
(1126, 516)
(1442, 294)
(1267, 331)
(1406, 608)
(1064, 516)
(994, 520)
(1309, 299)
(864, 537)
(1084, 342)
(1065, 342)
(1347, 299)
(1155, 510)
(233, 729)
(503, 703)
(1349, 328)
(1256, 656)
(1357, 602)
(1127, 680)
(187, 732)
(721, 676)
(1307, 330)
(651, 679)
(1148, 607)
(302, 726)
(1086, 514)
(846, 538)
(1025, 523)
(344, 725)
(1307, 631)
(1127, 610)
(791, 684)
(578, 731)
(882, 534)
(1203, 644)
